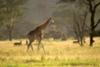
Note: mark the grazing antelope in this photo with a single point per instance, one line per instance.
(37, 34)
(76, 41)
(18, 43)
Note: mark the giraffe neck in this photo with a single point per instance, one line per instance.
(45, 24)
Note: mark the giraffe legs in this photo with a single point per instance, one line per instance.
(30, 45)
(43, 47)
(37, 37)
(40, 44)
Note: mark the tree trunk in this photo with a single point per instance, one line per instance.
(91, 39)
(92, 28)
(10, 35)
(9, 30)
(92, 9)
(81, 44)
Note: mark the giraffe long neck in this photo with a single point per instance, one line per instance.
(45, 24)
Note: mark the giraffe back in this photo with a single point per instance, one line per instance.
(34, 34)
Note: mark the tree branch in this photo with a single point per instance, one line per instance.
(90, 5)
(97, 23)
(96, 5)
(85, 2)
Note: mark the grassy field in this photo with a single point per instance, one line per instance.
(58, 54)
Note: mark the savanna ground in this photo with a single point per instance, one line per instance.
(58, 54)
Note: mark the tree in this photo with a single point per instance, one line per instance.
(1, 12)
(11, 10)
(80, 27)
(92, 9)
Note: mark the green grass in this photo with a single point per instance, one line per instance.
(58, 54)
(69, 62)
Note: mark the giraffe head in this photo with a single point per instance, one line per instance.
(51, 20)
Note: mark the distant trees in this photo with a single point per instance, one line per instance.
(1, 12)
(10, 10)
(91, 6)
(80, 27)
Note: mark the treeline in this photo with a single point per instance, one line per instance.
(10, 12)
(86, 7)
(73, 18)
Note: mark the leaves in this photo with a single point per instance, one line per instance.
(11, 9)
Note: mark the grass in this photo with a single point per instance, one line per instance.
(58, 54)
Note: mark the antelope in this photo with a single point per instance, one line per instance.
(76, 41)
(18, 43)
(37, 34)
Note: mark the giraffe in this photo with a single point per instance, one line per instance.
(36, 34)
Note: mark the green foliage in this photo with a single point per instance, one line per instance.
(10, 9)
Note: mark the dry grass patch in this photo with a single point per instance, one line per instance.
(58, 53)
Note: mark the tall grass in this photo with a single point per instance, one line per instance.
(58, 54)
